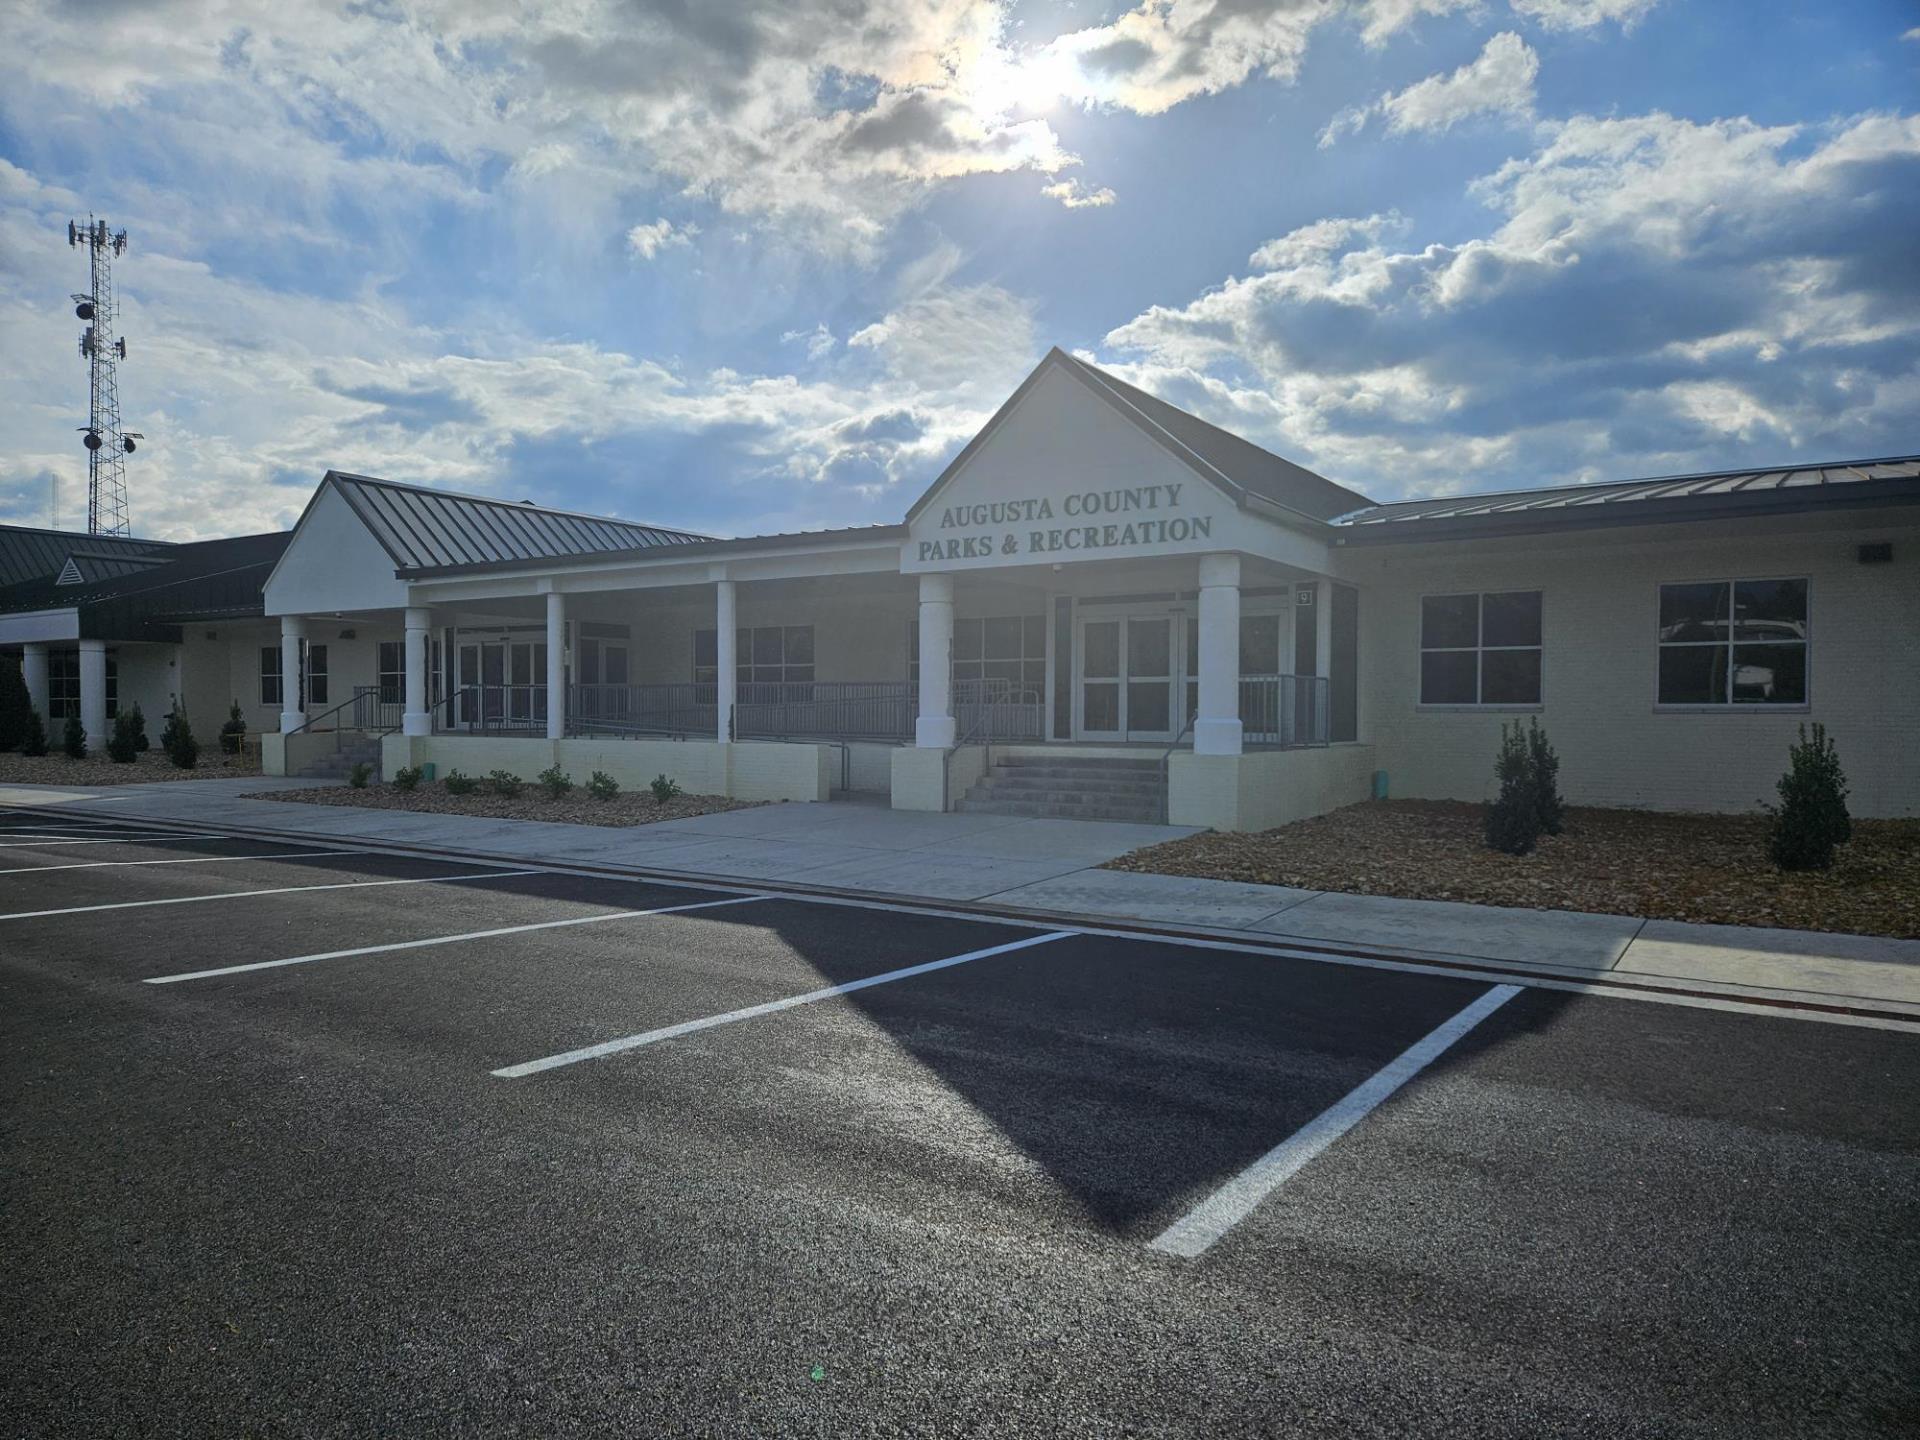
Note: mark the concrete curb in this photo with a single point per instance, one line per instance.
(1756, 1000)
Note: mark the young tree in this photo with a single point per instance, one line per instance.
(73, 740)
(1543, 768)
(234, 731)
(1513, 819)
(140, 741)
(1811, 818)
(177, 740)
(34, 741)
(122, 748)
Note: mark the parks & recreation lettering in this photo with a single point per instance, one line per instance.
(1020, 532)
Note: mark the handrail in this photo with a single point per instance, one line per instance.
(1166, 764)
(305, 727)
(983, 716)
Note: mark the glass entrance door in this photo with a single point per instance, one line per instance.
(502, 684)
(1127, 678)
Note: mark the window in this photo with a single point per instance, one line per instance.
(63, 684)
(603, 662)
(271, 691)
(1008, 652)
(1480, 649)
(1259, 652)
(393, 672)
(1733, 642)
(316, 656)
(766, 653)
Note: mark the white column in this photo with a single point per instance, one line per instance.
(724, 659)
(1217, 730)
(293, 629)
(415, 720)
(935, 728)
(33, 664)
(1323, 657)
(556, 665)
(93, 693)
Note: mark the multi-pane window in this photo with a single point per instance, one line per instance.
(63, 684)
(1006, 653)
(1480, 649)
(765, 653)
(271, 690)
(393, 672)
(1733, 642)
(603, 662)
(316, 659)
(1259, 652)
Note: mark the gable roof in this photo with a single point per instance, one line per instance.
(27, 553)
(84, 567)
(1709, 495)
(422, 528)
(1236, 466)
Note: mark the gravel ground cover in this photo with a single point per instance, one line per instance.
(1706, 868)
(633, 807)
(152, 765)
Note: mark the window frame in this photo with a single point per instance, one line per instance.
(276, 674)
(1730, 706)
(390, 682)
(744, 665)
(1478, 649)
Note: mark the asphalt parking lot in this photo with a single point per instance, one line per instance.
(309, 1141)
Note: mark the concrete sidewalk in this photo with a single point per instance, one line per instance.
(1051, 867)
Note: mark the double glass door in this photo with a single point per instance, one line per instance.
(1128, 678)
(503, 684)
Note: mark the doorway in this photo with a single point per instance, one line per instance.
(502, 683)
(1129, 675)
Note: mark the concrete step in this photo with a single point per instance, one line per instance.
(1076, 764)
(1037, 810)
(1015, 784)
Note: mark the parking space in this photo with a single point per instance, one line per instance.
(525, 1153)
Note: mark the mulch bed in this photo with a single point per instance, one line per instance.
(637, 807)
(149, 766)
(1706, 868)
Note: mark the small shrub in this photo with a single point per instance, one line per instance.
(123, 749)
(140, 741)
(15, 706)
(359, 775)
(1543, 773)
(1513, 819)
(504, 782)
(407, 777)
(233, 733)
(458, 784)
(177, 740)
(555, 781)
(603, 786)
(34, 741)
(1811, 818)
(663, 788)
(73, 740)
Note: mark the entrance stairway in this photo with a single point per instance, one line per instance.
(1071, 787)
(335, 764)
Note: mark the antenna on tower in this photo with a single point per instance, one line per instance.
(107, 444)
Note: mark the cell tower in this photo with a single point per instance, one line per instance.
(107, 444)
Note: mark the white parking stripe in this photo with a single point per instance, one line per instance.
(452, 939)
(190, 860)
(131, 837)
(1193, 1233)
(688, 1027)
(247, 894)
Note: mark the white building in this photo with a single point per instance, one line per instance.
(1105, 606)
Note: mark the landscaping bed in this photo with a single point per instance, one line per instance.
(150, 765)
(1710, 869)
(636, 807)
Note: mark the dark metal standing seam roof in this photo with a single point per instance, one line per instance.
(422, 528)
(202, 579)
(29, 554)
(1891, 480)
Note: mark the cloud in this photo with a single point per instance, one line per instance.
(1583, 14)
(1169, 51)
(1499, 81)
(649, 239)
(819, 340)
(1655, 295)
(1075, 196)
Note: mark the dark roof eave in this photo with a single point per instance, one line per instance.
(1860, 495)
(683, 550)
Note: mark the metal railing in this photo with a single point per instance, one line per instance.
(495, 709)
(876, 710)
(986, 712)
(1284, 710)
(671, 710)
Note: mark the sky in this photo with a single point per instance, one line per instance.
(747, 266)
